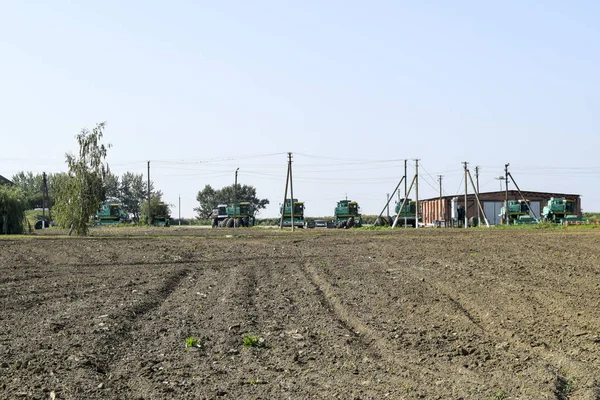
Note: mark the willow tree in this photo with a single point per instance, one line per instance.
(13, 204)
(80, 194)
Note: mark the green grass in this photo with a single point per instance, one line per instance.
(192, 342)
(253, 341)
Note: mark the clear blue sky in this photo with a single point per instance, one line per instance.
(339, 83)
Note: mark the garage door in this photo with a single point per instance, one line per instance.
(492, 211)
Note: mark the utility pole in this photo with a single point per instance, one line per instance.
(44, 188)
(466, 219)
(149, 213)
(477, 180)
(235, 198)
(442, 217)
(388, 204)
(416, 193)
(179, 209)
(291, 189)
(506, 194)
(287, 180)
(405, 183)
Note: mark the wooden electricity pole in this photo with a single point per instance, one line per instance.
(506, 219)
(466, 219)
(405, 182)
(235, 224)
(477, 180)
(440, 216)
(416, 193)
(149, 214)
(288, 179)
(291, 190)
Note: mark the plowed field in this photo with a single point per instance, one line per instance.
(431, 314)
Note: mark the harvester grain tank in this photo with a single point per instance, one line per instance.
(518, 213)
(347, 214)
(286, 211)
(560, 210)
(110, 213)
(228, 216)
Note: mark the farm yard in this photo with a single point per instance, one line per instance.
(261, 314)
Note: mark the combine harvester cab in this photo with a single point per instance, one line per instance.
(110, 213)
(229, 216)
(347, 214)
(286, 211)
(518, 213)
(219, 215)
(561, 211)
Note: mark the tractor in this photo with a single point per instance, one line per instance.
(518, 213)
(228, 216)
(560, 210)
(406, 216)
(287, 213)
(110, 213)
(347, 214)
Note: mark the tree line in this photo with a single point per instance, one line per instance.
(76, 195)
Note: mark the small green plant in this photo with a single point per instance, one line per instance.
(500, 394)
(192, 342)
(253, 341)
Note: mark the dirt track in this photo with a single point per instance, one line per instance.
(433, 314)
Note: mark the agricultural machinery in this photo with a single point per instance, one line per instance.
(227, 216)
(286, 211)
(162, 217)
(110, 213)
(560, 210)
(518, 213)
(406, 215)
(347, 214)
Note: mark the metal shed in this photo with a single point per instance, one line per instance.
(444, 208)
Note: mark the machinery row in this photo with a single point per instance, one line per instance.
(346, 214)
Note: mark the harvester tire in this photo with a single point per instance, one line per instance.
(390, 221)
(246, 222)
(230, 222)
(350, 222)
(377, 222)
(214, 223)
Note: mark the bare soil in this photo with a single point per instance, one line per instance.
(409, 314)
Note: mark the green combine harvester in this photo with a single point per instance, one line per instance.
(406, 216)
(518, 213)
(110, 213)
(162, 217)
(347, 214)
(286, 211)
(560, 210)
(225, 216)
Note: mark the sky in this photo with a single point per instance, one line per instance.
(351, 88)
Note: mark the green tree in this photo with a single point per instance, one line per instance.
(111, 186)
(13, 203)
(80, 195)
(157, 207)
(208, 198)
(32, 186)
(133, 191)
